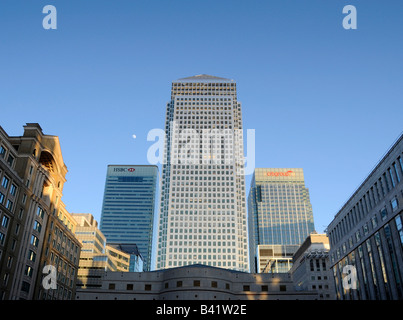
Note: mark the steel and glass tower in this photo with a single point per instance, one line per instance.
(203, 208)
(280, 217)
(128, 207)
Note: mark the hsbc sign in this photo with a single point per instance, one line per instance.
(124, 169)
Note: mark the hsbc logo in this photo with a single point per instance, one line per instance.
(124, 169)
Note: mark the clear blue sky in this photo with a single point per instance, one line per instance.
(320, 97)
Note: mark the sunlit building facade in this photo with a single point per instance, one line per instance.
(96, 256)
(36, 229)
(279, 215)
(128, 207)
(203, 208)
(311, 267)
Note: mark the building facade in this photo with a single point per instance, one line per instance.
(279, 215)
(275, 258)
(96, 255)
(128, 207)
(195, 282)
(203, 208)
(36, 229)
(311, 267)
(366, 235)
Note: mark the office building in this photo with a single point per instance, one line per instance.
(366, 235)
(203, 208)
(311, 267)
(96, 255)
(279, 216)
(275, 258)
(195, 282)
(128, 207)
(136, 263)
(36, 229)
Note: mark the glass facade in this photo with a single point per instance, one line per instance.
(279, 209)
(128, 207)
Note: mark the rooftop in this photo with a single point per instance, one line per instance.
(203, 78)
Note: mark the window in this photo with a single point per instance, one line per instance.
(34, 241)
(246, 288)
(283, 287)
(179, 284)
(391, 177)
(40, 212)
(214, 284)
(196, 283)
(32, 256)
(4, 222)
(9, 205)
(2, 151)
(111, 286)
(147, 287)
(13, 190)
(399, 228)
(37, 226)
(129, 286)
(4, 182)
(384, 213)
(2, 238)
(25, 286)
(374, 221)
(396, 172)
(28, 271)
(394, 204)
(10, 160)
(265, 288)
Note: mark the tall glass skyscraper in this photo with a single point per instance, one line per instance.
(203, 207)
(280, 216)
(128, 207)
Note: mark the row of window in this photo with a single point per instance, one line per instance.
(197, 283)
(369, 200)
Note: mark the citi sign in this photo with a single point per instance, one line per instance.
(281, 174)
(124, 169)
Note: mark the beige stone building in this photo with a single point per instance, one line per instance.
(33, 173)
(96, 256)
(311, 267)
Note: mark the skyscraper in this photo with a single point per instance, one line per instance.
(280, 216)
(128, 207)
(203, 208)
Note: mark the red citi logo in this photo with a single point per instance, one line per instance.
(281, 174)
(131, 169)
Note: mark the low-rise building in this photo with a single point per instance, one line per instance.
(311, 270)
(195, 282)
